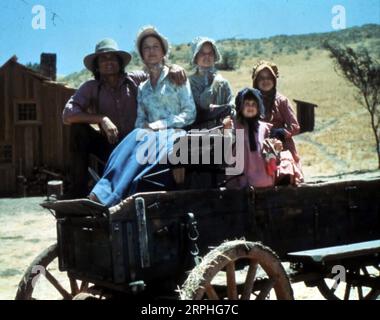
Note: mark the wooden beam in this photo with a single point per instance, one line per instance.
(7, 104)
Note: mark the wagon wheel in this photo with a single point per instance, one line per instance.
(200, 283)
(43, 274)
(350, 289)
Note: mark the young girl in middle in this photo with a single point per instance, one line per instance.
(249, 113)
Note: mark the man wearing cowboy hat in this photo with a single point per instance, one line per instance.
(109, 101)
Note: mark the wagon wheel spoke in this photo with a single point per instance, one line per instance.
(347, 291)
(365, 271)
(249, 281)
(84, 286)
(74, 286)
(211, 293)
(267, 287)
(360, 293)
(360, 288)
(335, 286)
(57, 285)
(231, 281)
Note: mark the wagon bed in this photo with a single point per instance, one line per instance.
(149, 240)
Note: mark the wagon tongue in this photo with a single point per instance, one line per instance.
(76, 207)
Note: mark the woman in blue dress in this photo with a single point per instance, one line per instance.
(163, 110)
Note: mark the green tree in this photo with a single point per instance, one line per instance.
(230, 60)
(34, 66)
(359, 68)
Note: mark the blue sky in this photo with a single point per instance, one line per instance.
(79, 24)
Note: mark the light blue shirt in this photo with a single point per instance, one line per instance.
(166, 105)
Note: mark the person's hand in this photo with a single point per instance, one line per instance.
(227, 123)
(278, 133)
(177, 75)
(110, 130)
(151, 126)
(277, 145)
(157, 125)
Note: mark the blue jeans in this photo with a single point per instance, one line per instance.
(125, 167)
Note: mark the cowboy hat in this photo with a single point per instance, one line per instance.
(106, 46)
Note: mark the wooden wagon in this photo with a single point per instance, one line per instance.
(217, 244)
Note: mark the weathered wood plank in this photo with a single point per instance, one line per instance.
(337, 252)
(3, 106)
(8, 105)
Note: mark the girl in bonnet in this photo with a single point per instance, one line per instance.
(264, 160)
(250, 111)
(278, 111)
(212, 93)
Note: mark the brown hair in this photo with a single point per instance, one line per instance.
(248, 96)
(154, 36)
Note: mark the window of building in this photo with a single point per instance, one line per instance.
(5, 153)
(26, 112)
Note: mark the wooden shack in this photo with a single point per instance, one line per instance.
(31, 131)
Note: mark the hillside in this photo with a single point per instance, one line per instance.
(266, 48)
(342, 140)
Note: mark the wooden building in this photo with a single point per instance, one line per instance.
(31, 131)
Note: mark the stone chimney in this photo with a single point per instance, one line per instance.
(48, 65)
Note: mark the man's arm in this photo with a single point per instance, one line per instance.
(82, 117)
(177, 75)
(76, 108)
(138, 76)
